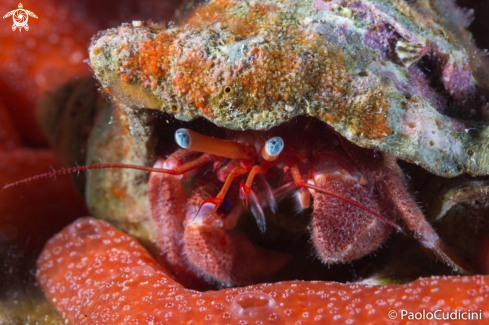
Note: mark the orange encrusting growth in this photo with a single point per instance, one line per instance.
(367, 117)
(192, 80)
(152, 61)
(279, 66)
(209, 14)
(95, 274)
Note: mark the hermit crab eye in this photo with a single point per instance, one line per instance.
(175, 108)
(182, 138)
(273, 148)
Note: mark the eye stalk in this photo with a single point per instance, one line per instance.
(272, 148)
(191, 140)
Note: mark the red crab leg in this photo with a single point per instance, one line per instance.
(244, 189)
(200, 250)
(389, 181)
(191, 165)
(304, 198)
(294, 169)
(220, 196)
(413, 217)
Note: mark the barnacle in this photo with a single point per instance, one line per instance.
(175, 107)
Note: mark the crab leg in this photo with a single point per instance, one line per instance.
(406, 207)
(195, 242)
(389, 181)
(334, 174)
(244, 189)
(216, 201)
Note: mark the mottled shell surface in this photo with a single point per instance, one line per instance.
(387, 75)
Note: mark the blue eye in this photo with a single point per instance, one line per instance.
(274, 146)
(182, 138)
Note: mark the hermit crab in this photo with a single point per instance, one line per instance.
(371, 75)
(351, 187)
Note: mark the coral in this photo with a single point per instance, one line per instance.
(93, 273)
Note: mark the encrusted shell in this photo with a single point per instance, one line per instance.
(388, 75)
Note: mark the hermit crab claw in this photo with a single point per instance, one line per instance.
(208, 208)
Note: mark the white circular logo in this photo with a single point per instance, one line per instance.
(392, 314)
(20, 17)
